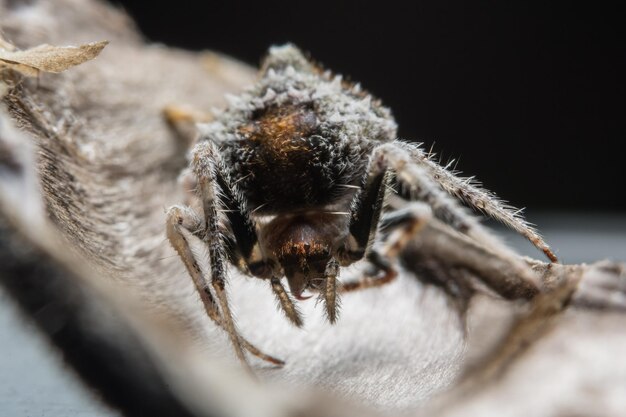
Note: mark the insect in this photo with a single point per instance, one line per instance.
(291, 180)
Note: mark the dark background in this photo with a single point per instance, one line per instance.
(530, 97)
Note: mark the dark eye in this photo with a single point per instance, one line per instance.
(261, 269)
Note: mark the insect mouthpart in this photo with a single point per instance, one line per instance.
(304, 252)
(304, 265)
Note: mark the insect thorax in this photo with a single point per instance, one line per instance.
(299, 136)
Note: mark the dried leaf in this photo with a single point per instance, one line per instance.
(47, 58)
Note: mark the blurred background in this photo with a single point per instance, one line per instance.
(529, 97)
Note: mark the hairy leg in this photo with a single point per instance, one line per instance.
(468, 191)
(182, 223)
(423, 187)
(215, 198)
(205, 170)
(398, 228)
(330, 290)
(364, 224)
(286, 303)
(364, 218)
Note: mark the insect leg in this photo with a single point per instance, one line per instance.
(398, 228)
(424, 187)
(417, 183)
(365, 215)
(330, 290)
(215, 196)
(246, 254)
(479, 199)
(182, 223)
(286, 303)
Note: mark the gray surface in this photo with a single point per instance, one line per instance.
(34, 382)
(576, 238)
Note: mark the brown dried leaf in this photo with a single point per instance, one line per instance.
(47, 58)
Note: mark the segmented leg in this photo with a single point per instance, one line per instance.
(286, 303)
(207, 169)
(468, 191)
(399, 228)
(420, 185)
(370, 279)
(182, 222)
(244, 251)
(365, 217)
(365, 214)
(330, 290)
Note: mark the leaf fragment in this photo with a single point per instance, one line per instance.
(47, 58)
